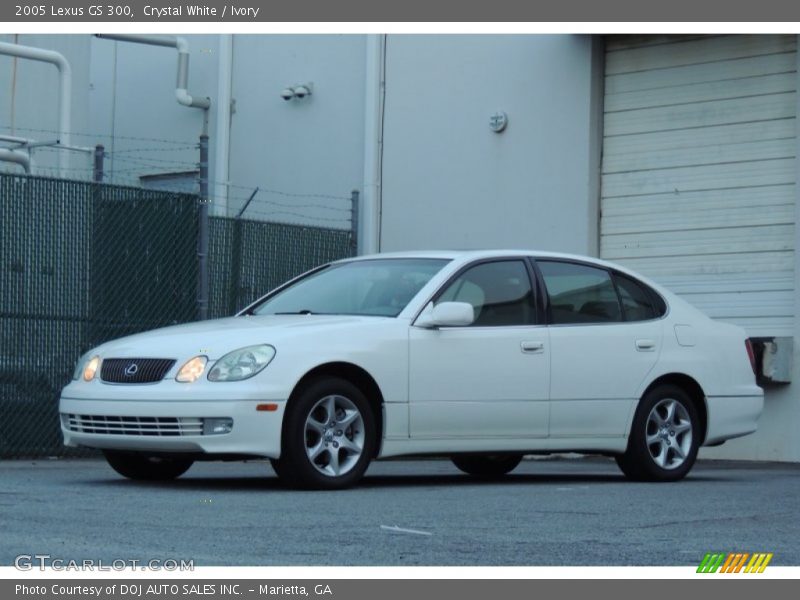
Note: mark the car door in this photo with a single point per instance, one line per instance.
(602, 347)
(489, 379)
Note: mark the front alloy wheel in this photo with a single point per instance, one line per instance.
(664, 437)
(335, 435)
(329, 436)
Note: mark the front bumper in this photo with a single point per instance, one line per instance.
(254, 432)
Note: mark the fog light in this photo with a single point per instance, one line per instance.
(217, 426)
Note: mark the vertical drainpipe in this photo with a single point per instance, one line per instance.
(596, 111)
(64, 89)
(223, 131)
(369, 238)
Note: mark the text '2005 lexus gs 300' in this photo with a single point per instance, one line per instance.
(481, 356)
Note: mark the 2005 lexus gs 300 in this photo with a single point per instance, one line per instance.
(479, 356)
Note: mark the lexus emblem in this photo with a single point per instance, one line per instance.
(131, 370)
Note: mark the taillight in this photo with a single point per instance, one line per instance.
(751, 355)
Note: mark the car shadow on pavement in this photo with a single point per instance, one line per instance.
(268, 482)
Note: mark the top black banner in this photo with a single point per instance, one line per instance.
(465, 11)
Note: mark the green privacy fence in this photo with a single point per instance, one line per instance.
(249, 258)
(82, 263)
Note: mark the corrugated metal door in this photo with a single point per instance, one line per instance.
(698, 176)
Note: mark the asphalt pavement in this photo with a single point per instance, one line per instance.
(547, 512)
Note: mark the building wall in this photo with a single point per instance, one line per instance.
(699, 190)
(29, 101)
(449, 181)
(312, 147)
(776, 438)
(134, 111)
(297, 153)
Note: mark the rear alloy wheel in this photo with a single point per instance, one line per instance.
(487, 466)
(328, 436)
(664, 437)
(144, 467)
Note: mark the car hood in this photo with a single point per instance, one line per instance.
(216, 337)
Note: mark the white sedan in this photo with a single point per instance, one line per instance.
(481, 356)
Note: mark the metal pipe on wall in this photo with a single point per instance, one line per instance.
(369, 228)
(182, 94)
(23, 159)
(65, 88)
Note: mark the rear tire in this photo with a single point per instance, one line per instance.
(487, 466)
(143, 467)
(664, 437)
(329, 436)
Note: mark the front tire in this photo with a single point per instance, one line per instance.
(329, 436)
(487, 466)
(665, 437)
(142, 467)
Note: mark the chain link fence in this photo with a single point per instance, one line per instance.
(82, 263)
(249, 258)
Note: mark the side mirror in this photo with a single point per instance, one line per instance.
(447, 314)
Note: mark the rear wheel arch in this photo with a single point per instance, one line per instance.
(689, 385)
(356, 375)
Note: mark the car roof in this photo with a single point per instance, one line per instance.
(467, 255)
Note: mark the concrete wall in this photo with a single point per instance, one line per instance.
(29, 98)
(308, 147)
(449, 181)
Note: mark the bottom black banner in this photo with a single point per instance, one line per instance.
(390, 589)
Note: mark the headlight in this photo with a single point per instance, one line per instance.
(80, 366)
(242, 363)
(87, 367)
(192, 369)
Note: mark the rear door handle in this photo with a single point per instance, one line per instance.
(532, 347)
(645, 345)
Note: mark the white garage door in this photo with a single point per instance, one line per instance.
(698, 176)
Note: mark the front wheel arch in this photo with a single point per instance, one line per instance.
(317, 418)
(356, 375)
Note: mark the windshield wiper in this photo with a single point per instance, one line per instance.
(304, 311)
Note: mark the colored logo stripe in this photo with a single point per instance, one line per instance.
(710, 563)
(733, 562)
(758, 563)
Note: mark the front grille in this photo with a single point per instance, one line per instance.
(155, 426)
(135, 370)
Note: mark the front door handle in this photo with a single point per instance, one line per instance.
(645, 345)
(532, 347)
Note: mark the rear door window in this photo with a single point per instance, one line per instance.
(579, 293)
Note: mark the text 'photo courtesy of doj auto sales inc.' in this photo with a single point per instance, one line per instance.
(161, 590)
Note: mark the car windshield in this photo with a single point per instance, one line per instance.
(374, 287)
